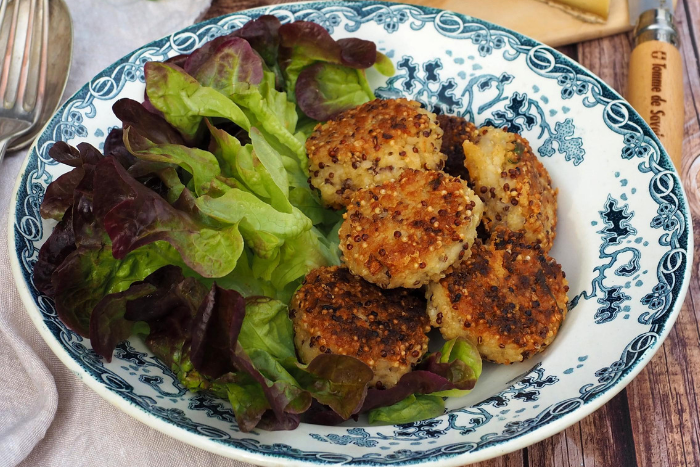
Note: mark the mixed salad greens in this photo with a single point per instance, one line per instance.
(197, 225)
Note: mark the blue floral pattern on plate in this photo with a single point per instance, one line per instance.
(624, 238)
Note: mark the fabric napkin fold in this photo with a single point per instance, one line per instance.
(48, 417)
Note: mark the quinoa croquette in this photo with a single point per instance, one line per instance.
(456, 130)
(408, 232)
(337, 312)
(509, 298)
(514, 185)
(369, 145)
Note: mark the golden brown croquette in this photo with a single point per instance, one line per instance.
(337, 312)
(514, 185)
(369, 145)
(456, 130)
(509, 298)
(407, 232)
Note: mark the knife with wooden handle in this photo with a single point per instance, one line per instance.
(655, 81)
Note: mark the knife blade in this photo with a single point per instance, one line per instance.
(655, 80)
(637, 7)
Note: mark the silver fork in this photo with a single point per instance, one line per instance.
(23, 72)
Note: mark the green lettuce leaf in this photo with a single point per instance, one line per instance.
(277, 103)
(254, 215)
(161, 307)
(303, 43)
(247, 398)
(275, 117)
(203, 165)
(383, 65)
(265, 223)
(238, 161)
(274, 167)
(277, 375)
(338, 381)
(135, 216)
(259, 167)
(183, 368)
(172, 182)
(89, 274)
(233, 68)
(325, 76)
(307, 202)
(245, 282)
(297, 257)
(464, 365)
(236, 71)
(107, 324)
(184, 102)
(267, 327)
(326, 89)
(411, 409)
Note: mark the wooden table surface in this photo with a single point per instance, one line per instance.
(655, 421)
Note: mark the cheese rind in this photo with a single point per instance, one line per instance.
(592, 11)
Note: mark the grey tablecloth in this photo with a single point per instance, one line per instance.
(47, 416)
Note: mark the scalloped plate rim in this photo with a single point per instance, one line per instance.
(539, 433)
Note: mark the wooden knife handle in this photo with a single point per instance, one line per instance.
(655, 90)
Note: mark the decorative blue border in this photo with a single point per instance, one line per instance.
(573, 80)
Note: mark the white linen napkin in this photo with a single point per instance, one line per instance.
(48, 417)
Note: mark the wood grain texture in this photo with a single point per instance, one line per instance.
(514, 459)
(655, 422)
(663, 399)
(222, 7)
(601, 440)
(689, 24)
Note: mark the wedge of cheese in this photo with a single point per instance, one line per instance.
(592, 11)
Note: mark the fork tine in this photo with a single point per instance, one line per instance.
(3, 10)
(44, 60)
(24, 69)
(7, 62)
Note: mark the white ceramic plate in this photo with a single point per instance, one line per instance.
(624, 238)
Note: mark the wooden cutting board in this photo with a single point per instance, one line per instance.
(538, 20)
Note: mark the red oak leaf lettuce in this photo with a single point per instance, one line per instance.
(134, 216)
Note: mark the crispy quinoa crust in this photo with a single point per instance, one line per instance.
(407, 232)
(371, 144)
(508, 297)
(514, 185)
(337, 312)
(456, 130)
